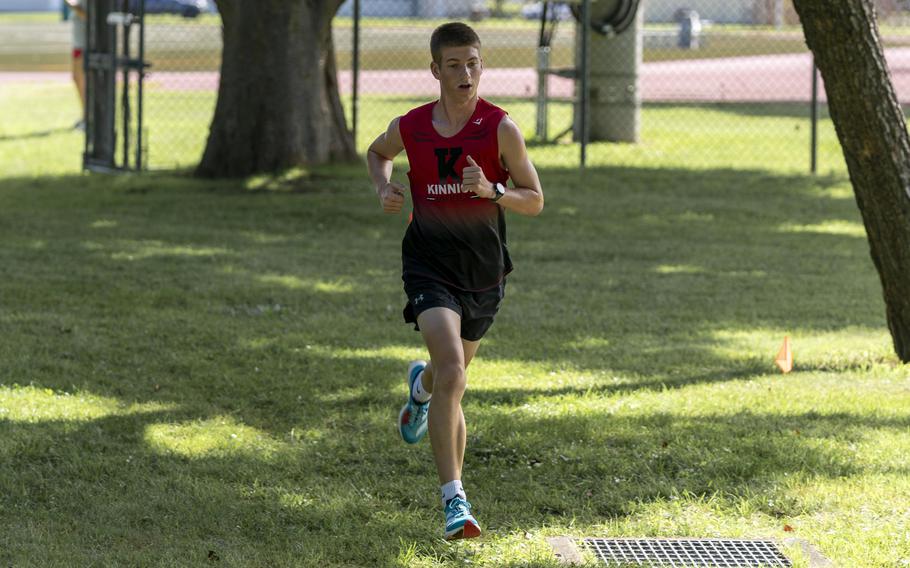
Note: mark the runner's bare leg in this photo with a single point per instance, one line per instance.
(445, 377)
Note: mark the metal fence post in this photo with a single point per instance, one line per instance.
(543, 68)
(355, 70)
(813, 150)
(585, 77)
(141, 79)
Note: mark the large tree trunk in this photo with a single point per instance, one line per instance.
(870, 125)
(278, 103)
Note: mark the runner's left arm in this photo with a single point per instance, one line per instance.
(526, 197)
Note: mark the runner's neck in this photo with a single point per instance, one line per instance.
(449, 116)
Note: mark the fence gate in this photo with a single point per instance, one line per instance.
(113, 85)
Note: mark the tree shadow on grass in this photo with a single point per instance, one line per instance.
(109, 487)
(640, 277)
(279, 315)
(36, 134)
(590, 470)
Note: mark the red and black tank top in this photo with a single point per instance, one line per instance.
(454, 236)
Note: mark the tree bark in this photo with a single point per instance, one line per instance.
(278, 102)
(870, 124)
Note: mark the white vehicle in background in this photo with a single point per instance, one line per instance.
(555, 11)
(185, 8)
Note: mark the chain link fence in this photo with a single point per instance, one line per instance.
(181, 87)
(734, 92)
(707, 83)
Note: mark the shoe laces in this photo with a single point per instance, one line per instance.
(419, 410)
(457, 505)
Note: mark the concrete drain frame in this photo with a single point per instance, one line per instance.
(684, 552)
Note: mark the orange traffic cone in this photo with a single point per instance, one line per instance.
(785, 356)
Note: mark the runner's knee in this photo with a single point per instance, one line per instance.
(449, 378)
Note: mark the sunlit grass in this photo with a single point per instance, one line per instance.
(767, 137)
(217, 437)
(295, 283)
(830, 228)
(31, 404)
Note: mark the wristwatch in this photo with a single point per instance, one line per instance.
(499, 190)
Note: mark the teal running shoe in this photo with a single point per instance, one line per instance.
(460, 523)
(412, 420)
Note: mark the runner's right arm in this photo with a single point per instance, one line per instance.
(379, 161)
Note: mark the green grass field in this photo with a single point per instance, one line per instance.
(209, 372)
(36, 120)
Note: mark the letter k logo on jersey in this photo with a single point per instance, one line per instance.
(445, 160)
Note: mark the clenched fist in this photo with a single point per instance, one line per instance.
(391, 196)
(472, 179)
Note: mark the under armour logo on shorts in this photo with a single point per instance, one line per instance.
(417, 300)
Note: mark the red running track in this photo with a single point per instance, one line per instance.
(784, 78)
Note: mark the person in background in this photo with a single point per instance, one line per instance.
(79, 41)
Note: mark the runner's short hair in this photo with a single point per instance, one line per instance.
(453, 34)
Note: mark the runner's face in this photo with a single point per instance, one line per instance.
(459, 71)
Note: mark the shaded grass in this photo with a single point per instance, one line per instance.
(200, 370)
(194, 367)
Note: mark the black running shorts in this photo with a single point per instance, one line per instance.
(477, 309)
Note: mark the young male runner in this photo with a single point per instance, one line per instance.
(461, 150)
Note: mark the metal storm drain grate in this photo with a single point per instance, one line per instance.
(687, 553)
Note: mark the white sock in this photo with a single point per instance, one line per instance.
(418, 392)
(452, 490)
